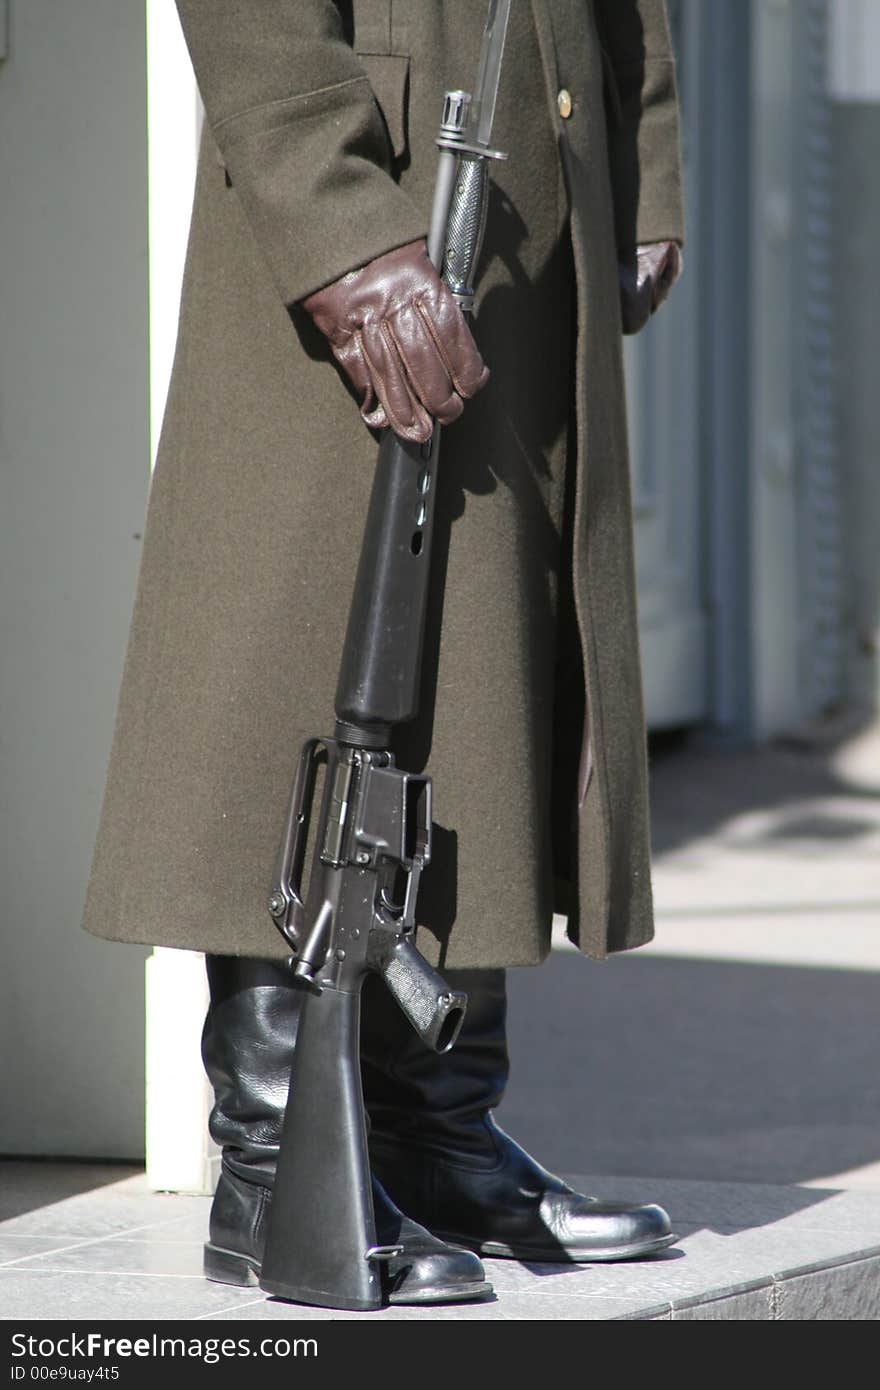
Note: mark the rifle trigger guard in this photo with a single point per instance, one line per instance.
(286, 902)
(384, 1252)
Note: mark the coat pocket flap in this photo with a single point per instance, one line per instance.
(389, 78)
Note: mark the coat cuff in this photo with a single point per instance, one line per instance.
(644, 155)
(312, 174)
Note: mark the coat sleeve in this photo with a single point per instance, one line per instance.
(643, 124)
(302, 137)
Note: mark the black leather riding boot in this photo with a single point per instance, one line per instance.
(437, 1150)
(247, 1047)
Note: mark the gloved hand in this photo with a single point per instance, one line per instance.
(646, 277)
(401, 338)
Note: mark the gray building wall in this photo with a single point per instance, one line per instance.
(74, 470)
(773, 338)
(856, 136)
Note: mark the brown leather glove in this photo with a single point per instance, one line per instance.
(646, 277)
(402, 340)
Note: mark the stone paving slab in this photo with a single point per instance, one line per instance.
(747, 1252)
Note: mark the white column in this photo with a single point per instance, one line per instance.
(855, 50)
(173, 124)
(180, 1156)
(773, 560)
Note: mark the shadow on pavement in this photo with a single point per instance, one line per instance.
(706, 1070)
(26, 1184)
(697, 786)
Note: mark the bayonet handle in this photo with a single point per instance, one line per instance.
(465, 228)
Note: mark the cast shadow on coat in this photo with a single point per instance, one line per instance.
(526, 328)
(621, 30)
(519, 457)
(527, 446)
(345, 10)
(441, 881)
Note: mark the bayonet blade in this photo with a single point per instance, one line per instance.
(485, 95)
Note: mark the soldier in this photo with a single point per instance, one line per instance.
(307, 244)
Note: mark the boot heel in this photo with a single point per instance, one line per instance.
(225, 1267)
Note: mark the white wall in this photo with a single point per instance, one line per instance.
(74, 470)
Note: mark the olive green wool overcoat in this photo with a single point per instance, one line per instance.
(318, 155)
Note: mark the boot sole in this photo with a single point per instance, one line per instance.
(456, 1293)
(495, 1249)
(227, 1267)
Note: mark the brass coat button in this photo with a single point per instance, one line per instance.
(564, 102)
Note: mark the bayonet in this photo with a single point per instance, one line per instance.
(485, 95)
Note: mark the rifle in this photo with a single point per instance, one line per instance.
(372, 836)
